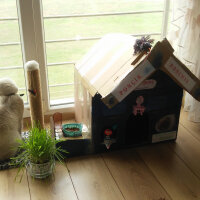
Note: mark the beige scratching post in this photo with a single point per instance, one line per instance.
(34, 89)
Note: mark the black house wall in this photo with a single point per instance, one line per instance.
(161, 109)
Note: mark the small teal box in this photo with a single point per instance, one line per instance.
(72, 130)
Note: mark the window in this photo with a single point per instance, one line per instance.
(58, 33)
(11, 63)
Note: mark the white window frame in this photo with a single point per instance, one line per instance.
(33, 43)
(33, 47)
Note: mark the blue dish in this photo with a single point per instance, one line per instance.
(72, 133)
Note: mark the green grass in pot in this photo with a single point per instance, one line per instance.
(39, 147)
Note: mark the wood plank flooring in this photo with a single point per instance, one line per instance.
(168, 171)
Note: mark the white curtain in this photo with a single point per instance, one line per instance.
(184, 35)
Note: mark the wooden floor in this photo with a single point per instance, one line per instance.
(155, 172)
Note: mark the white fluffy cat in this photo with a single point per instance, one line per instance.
(11, 114)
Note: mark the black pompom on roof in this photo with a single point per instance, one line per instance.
(143, 45)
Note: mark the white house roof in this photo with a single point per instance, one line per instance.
(107, 63)
(106, 69)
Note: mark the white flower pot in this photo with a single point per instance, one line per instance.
(40, 170)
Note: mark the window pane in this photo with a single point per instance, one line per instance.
(61, 7)
(62, 93)
(14, 74)
(17, 75)
(60, 74)
(9, 31)
(10, 56)
(99, 26)
(67, 51)
(8, 8)
(61, 80)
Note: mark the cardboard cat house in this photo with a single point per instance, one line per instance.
(124, 105)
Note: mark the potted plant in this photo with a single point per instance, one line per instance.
(37, 153)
